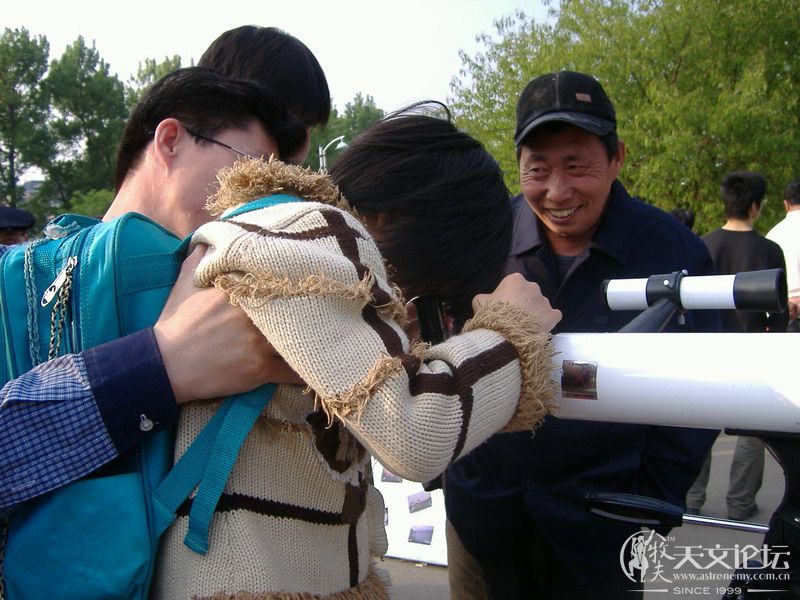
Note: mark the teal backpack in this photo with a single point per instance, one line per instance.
(86, 284)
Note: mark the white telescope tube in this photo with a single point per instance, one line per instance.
(751, 290)
(702, 380)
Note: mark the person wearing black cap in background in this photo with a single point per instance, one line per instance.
(14, 225)
(518, 526)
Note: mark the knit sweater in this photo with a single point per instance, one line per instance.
(298, 518)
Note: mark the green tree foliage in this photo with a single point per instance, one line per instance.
(359, 114)
(24, 106)
(93, 203)
(88, 117)
(320, 136)
(67, 119)
(701, 87)
(147, 74)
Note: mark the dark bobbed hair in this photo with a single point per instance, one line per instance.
(792, 192)
(443, 195)
(610, 140)
(205, 102)
(278, 60)
(740, 190)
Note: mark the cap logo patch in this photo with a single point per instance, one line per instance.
(583, 97)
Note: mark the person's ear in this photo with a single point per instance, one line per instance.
(170, 134)
(618, 159)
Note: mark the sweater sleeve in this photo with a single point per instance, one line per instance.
(313, 281)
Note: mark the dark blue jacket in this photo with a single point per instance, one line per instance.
(548, 473)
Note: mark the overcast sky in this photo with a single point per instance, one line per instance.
(397, 51)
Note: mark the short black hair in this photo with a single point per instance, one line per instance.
(740, 190)
(444, 194)
(206, 102)
(278, 60)
(792, 193)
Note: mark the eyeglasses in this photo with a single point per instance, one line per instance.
(200, 136)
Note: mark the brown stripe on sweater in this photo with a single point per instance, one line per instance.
(346, 237)
(335, 227)
(460, 381)
(411, 364)
(467, 373)
(348, 244)
(327, 439)
(467, 400)
(390, 338)
(271, 508)
(355, 503)
(352, 554)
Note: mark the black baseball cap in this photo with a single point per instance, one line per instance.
(15, 218)
(565, 96)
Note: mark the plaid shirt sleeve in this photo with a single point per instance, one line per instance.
(68, 416)
(51, 430)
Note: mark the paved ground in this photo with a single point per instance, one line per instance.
(412, 581)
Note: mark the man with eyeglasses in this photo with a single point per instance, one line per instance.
(78, 395)
(192, 124)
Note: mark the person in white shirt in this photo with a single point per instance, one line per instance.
(787, 235)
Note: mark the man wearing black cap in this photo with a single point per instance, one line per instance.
(516, 504)
(14, 225)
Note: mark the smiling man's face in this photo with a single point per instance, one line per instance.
(566, 177)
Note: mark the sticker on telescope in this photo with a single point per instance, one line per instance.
(579, 379)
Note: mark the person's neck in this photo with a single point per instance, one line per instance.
(568, 246)
(135, 195)
(738, 225)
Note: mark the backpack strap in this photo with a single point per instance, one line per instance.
(209, 460)
(242, 416)
(206, 465)
(150, 271)
(258, 204)
(186, 473)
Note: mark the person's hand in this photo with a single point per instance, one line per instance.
(210, 348)
(516, 290)
(793, 307)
